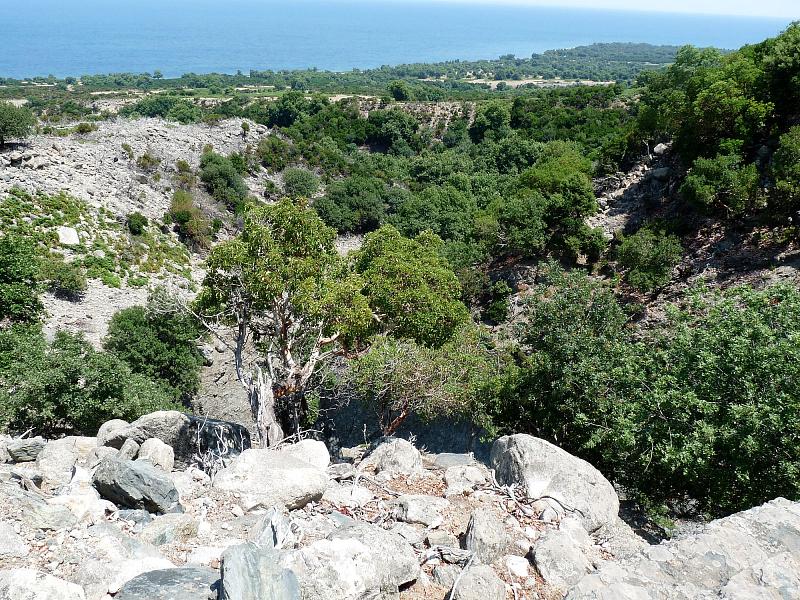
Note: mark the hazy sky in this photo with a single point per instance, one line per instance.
(788, 9)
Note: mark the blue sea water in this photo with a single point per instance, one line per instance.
(75, 37)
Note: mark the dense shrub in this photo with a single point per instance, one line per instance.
(354, 205)
(136, 223)
(299, 183)
(223, 180)
(190, 222)
(705, 407)
(67, 386)
(725, 183)
(19, 288)
(15, 122)
(786, 170)
(649, 257)
(64, 279)
(275, 153)
(159, 343)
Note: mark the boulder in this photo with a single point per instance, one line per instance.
(28, 584)
(356, 561)
(264, 478)
(11, 543)
(273, 530)
(560, 556)
(192, 438)
(479, 582)
(546, 471)
(313, 452)
(517, 566)
(660, 149)
(169, 528)
(486, 536)
(349, 496)
(253, 573)
(136, 484)
(424, 510)
(183, 583)
(57, 460)
(394, 456)
(48, 517)
(129, 450)
(158, 454)
(68, 236)
(445, 575)
(25, 449)
(749, 555)
(463, 479)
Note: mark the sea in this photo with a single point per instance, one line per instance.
(76, 37)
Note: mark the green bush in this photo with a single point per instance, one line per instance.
(704, 407)
(64, 279)
(191, 223)
(223, 180)
(19, 287)
(299, 183)
(724, 183)
(148, 162)
(136, 223)
(67, 386)
(275, 153)
(649, 257)
(786, 171)
(160, 344)
(84, 128)
(15, 122)
(353, 205)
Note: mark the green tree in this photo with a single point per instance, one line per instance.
(68, 386)
(223, 180)
(399, 90)
(786, 171)
(410, 287)
(19, 287)
(15, 122)
(492, 120)
(293, 304)
(354, 205)
(649, 257)
(160, 342)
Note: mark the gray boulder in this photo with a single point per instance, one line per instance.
(545, 471)
(394, 456)
(424, 510)
(253, 573)
(169, 528)
(463, 479)
(355, 562)
(183, 583)
(57, 460)
(191, 437)
(25, 449)
(11, 543)
(750, 555)
(129, 450)
(158, 454)
(561, 557)
(136, 484)
(264, 478)
(273, 530)
(479, 582)
(29, 584)
(486, 536)
(313, 452)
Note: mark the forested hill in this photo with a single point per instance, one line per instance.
(598, 62)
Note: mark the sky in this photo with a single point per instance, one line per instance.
(788, 9)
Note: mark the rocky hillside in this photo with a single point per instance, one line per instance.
(179, 507)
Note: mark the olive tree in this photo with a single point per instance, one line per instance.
(292, 304)
(15, 122)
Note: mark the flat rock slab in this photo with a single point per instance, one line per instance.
(184, 583)
(136, 484)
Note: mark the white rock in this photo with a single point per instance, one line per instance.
(29, 584)
(517, 565)
(313, 452)
(68, 236)
(349, 496)
(158, 453)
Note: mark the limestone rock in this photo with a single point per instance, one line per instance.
(264, 478)
(29, 584)
(11, 543)
(415, 508)
(273, 530)
(183, 583)
(480, 582)
(313, 452)
(158, 453)
(394, 456)
(189, 436)
(108, 434)
(25, 449)
(747, 556)
(349, 496)
(129, 450)
(253, 573)
(68, 236)
(545, 470)
(486, 536)
(57, 460)
(136, 484)
(463, 479)
(356, 561)
(561, 558)
(169, 528)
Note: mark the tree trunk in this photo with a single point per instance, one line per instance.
(262, 405)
